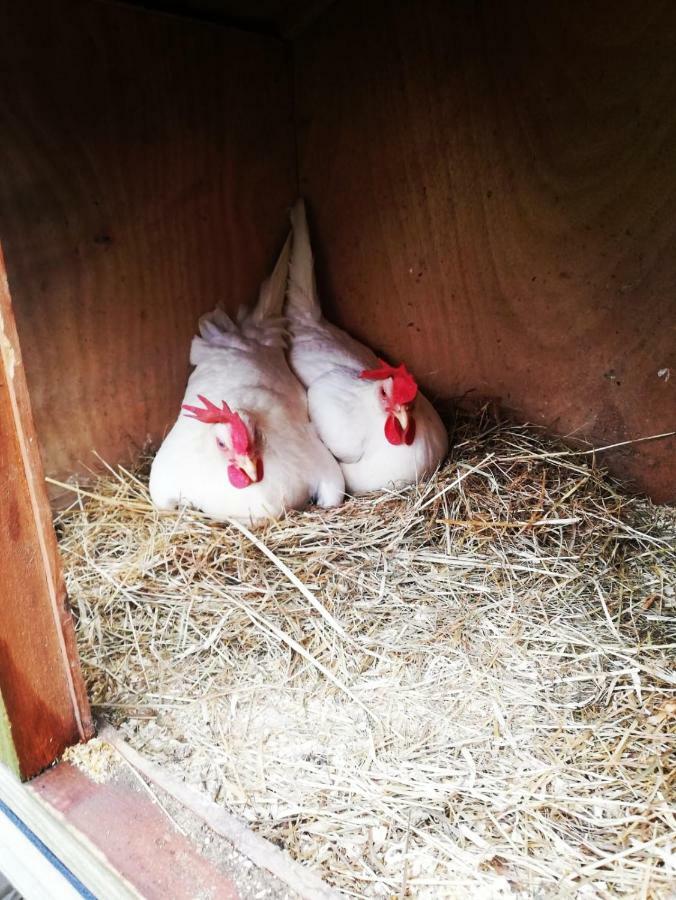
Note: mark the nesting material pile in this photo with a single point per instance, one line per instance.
(465, 688)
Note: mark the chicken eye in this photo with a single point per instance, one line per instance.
(220, 443)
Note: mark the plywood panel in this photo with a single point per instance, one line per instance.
(40, 679)
(493, 190)
(146, 165)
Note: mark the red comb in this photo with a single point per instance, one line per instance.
(404, 388)
(212, 415)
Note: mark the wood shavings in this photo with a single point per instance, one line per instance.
(97, 759)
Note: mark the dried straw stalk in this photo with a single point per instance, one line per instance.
(466, 686)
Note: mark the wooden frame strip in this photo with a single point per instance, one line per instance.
(40, 679)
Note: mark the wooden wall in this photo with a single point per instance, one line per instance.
(146, 164)
(492, 185)
(493, 190)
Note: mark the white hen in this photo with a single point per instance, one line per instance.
(244, 446)
(370, 415)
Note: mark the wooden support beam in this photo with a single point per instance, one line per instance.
(40, 678)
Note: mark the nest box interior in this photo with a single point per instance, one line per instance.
(492, 194)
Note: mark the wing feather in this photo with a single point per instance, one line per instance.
(333, 403)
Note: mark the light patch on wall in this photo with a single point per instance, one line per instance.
(7, 752)
(6, 349)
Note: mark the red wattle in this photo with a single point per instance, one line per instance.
(393, 431)
(238, 477)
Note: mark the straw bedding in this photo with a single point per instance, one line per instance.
(466, 687)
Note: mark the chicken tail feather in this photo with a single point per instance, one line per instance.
(271, 296)
(302, 300)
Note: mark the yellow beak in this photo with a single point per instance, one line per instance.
(401, 415)
(249, 466)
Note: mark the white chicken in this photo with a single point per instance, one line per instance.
(369, 414)
(244, 447)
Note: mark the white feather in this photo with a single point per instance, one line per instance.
(243, 363)
(343, 407)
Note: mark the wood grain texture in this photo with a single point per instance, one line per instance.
(146, 164)
(493, 193)
(40, 678)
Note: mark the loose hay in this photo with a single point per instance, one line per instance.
(472, 691)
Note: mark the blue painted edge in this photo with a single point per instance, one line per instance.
(73, 880)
